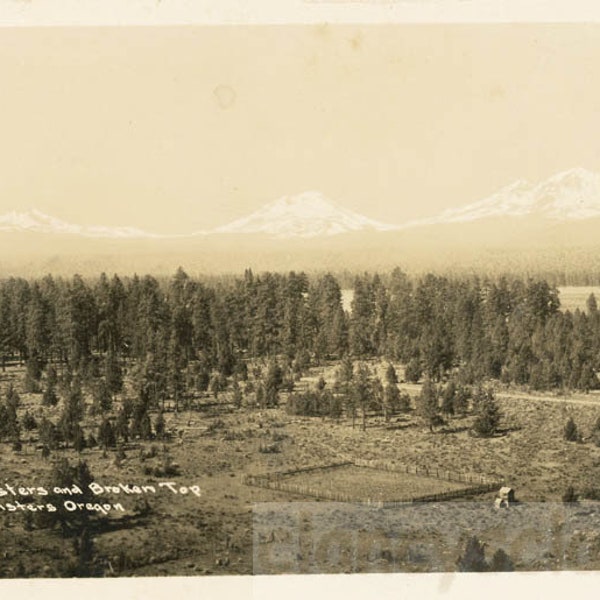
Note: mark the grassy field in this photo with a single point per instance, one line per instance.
(374, 485)
(573, 297)
(229, 527)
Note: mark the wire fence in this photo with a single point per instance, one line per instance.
(435, 473)
(279, 481)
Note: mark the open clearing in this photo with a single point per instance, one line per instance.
(226, 530)
(575, 297)
(571, 297)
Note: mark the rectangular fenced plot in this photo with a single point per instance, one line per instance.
(350, 482)
(362, 483)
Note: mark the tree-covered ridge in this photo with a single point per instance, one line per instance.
(182, 331)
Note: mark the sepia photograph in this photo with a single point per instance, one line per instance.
(299, 299)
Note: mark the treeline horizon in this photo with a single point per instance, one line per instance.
(558, 269)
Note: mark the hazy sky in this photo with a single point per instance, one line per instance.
(180, 129)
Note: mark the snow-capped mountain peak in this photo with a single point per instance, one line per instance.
(567, 196)
(36, 221)
(571, 195)
(308, 214)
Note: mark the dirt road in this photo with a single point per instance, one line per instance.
(591, 399)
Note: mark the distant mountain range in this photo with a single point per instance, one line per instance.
(572, 195)
(38, 222)
(305, 215)
(568, 197)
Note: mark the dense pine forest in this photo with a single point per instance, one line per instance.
(181, 331)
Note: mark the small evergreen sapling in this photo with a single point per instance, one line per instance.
(488, 414)
(473, 558)
(570, 431)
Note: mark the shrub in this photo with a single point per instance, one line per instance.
(595, 434)
(570, 431)
(501, 562)
(237, 395)
(269, 449)
(142, 507)
(12, 397)
(102, 397)
(167, 469)
(151, 452)
(48, 434)
(50, 398)
(29, 421)
(473, 558)
(9, 424)
(159, 426)
(461, 399)
(215, 426)
(31, 384)
(394, 400)
(312, 404)
(591, 493)
(120, 456)
(413, 371)
(171, 469)
(569, 495)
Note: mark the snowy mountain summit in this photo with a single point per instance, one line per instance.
(36, 221)
(568, 196)
(304, 215)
